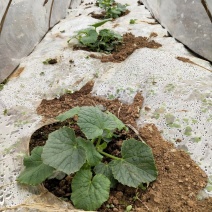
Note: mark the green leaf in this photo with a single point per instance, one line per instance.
(122, 7)
(105, 32)
(137, 165)
(107, 135)
(63, 152)
(115, 11)
(119, 123)
(93, 122)
(90, 37)
(133, 21)
(92, 156)
(104, 169)
(102, 146)
(84, 31)
(109, 35)
(58, 175)
(68, 114)
(101, 23)
(105, 3)
(36, 171)
(87, 193)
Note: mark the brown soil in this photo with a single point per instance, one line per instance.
(179, 179)
(16, 73)
(129, 45)
(51, 108)
(101, 15)
(52, 61)
(186, 60)
(140, 3)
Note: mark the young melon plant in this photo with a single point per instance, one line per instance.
(112, 8)
(84, 159)
(103, 41)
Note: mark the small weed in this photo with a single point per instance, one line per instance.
(50, 61)
(42, 73)
(169, 87)
(5, 112)
(169, 118)
(196, 139)
(96, 75)
(136, 197)
(194, 121)
(68, 91)
(3, 84)
(209, 184)
(111, 96)
(133, 21)
(186, 120)
(110, 206)
(62, 31)
(174, 125)
(156, 115)
(128, 208)
(20, 123)
(188, 131)
(131, 90)
(22, 85)
(153, 80)
(144, 186)
(151, 92)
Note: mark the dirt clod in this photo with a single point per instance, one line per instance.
(129, 45)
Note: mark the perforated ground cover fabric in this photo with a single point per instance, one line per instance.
(188, 21)
(23, 23)
(178, 94)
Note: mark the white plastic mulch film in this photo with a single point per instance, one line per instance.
(178, 94)
(23, 23)
(188, 21)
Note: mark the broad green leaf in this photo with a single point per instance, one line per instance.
(107, 134)
(63, 152)
(104, 32)
(109, 35)
(89, 193)
(90, 37)
(101, 23)
(122, 7)
(58, 175)
(84, 31)
(137, 165)
(93, 122)
(115, 11)
(92, 156)
(36, 171)
(119, 123)
(105, 3)
(68, 114)
(104, 169)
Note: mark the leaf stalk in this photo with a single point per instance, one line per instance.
(98, 142)
(108, 155)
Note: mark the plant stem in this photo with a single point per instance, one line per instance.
(93, 140)
(98, 142)
(108, 155)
